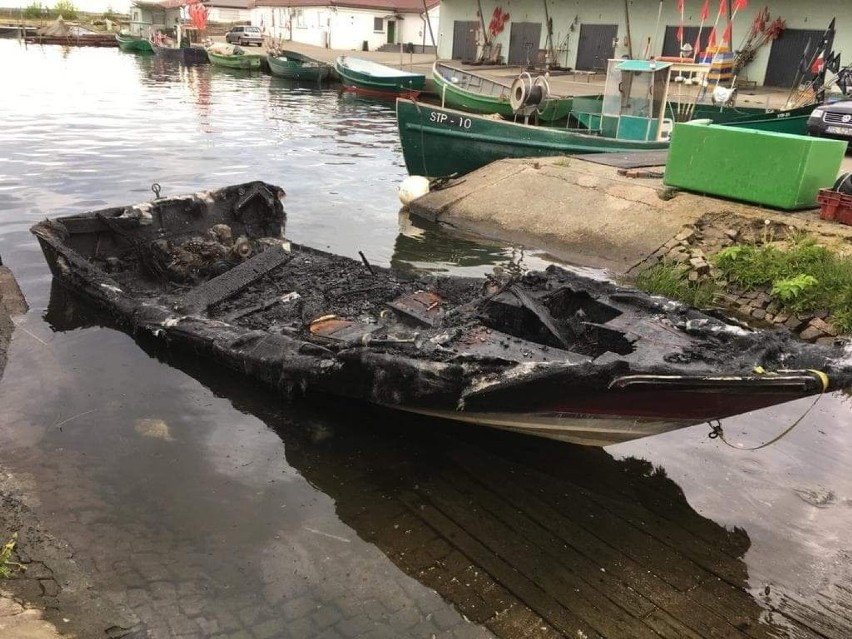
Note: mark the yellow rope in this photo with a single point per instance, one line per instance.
(823, 378)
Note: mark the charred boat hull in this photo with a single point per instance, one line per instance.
(551, 354)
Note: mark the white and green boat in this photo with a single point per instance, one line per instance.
(468, 91)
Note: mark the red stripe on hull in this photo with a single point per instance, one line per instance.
(413, 94)
(662, 404)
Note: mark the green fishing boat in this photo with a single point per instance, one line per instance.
(135, 44)
(468, 91)
(439, 142)
(233, 57)
(295, 66)
(633, 116)
(377, 80)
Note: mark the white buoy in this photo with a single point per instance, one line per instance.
(412, 188)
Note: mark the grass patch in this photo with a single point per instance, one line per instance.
(803, 276)
(670, 280)
(6, 562)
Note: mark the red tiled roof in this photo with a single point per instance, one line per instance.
(401, 6)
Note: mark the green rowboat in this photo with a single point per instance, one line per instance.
(295, 66)
(236, 60)
(135, 44)
(468, 91)
(783, 121)
(377, 80)
(440, 142)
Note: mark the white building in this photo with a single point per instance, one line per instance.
(585, 34)
(146, 18)
(228, 11)
(349, 24)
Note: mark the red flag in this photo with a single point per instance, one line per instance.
(740, 4)
(726, 35)
(723, 7)
(696, 52)
(711, 39)
(679, 36)
(705, 10)
(680, 5)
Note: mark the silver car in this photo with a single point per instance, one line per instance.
(244, 36)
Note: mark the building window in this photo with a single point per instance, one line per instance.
(378, 24)
(300, 19)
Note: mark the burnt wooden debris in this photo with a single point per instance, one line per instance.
(550, 353)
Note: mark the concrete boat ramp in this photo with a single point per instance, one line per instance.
(587, 212)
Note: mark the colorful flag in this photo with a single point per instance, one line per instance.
(705, 10)
(726, 35)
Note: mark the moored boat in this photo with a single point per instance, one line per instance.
(547, 353)
(466, 90)
(793, 120)
(233, 57)
(133, 43)
(295, 66)
(633, 115)
(183, 47)
(370, 78)
(440, 142)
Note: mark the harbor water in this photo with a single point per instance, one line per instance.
(210, 507)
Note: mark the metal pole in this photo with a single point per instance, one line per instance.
(627, 20)
(651, 53)
(429, 24)
(731, 22)
(549, 40)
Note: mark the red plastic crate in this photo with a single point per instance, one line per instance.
(835, 206)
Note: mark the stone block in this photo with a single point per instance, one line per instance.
(811, 333)
(685, 235)
(794, 323)
(699, 264)
(824, 326)
(758, 313)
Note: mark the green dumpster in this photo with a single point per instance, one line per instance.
(779, 170)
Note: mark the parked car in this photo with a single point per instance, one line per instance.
(244, 36)
(832, 121)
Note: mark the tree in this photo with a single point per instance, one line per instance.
(66, 9)
(35, 11)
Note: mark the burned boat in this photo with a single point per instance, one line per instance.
(548, 353)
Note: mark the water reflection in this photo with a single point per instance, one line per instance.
(511, 530)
